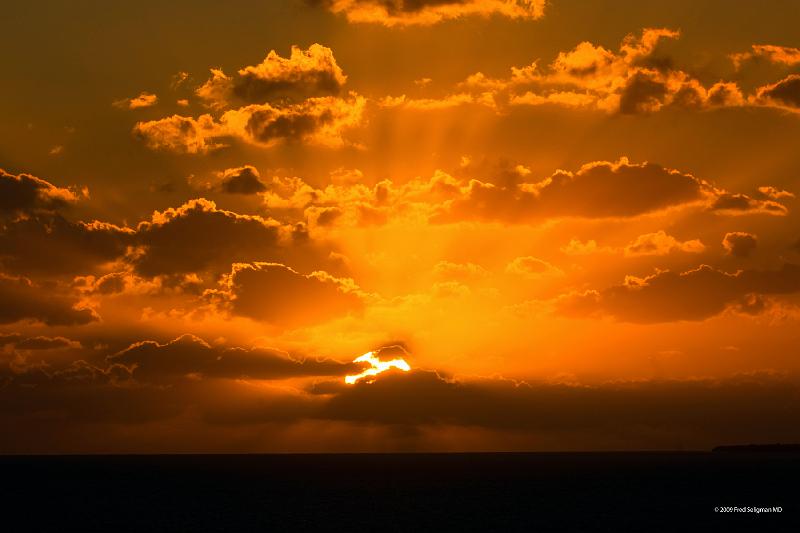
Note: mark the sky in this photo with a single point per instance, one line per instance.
(398, 225)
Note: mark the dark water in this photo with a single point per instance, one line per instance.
(637, 492)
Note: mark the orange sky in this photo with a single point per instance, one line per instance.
(577, 225)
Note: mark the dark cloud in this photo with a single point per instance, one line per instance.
(742, 204)
(426, 12)
(24, 300)
(46, 343)
(10, 338)
(785, 93)
(41, 241)
(643, 92)
(699, 413)
(47, 245)
(597, 190)
(670, 296)
(53, 245)
(725, 410)
(65, 399)
(198, 236)
(189, 355)
(277, 294)
(739, 244)
(242, 180)
(25, 193)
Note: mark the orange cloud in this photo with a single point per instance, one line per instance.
(600, 189)
(659, 243)
(578, 247)
(784, 55)
(181, 134)
(293, 99)
(145, 99)
(306, 73)
(530, 267)
(638, 78)
(320, 121)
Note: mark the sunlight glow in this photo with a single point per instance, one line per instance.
(378, 366)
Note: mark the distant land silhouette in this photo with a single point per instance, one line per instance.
(758, 448)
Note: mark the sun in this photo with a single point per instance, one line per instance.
(377, 366)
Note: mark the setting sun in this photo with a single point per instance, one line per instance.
(377, 366)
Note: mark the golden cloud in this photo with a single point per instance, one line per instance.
(306, 73)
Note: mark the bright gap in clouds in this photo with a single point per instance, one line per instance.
(377, 366)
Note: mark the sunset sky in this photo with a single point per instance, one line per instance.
(575, 222)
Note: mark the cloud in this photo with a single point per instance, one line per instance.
(784, 94)
(427, 12)
(25, 301)
(44, 243)
(739, 244)
(486, 99)
(41, 342)
(530, 267)
(277, 294)
(52, 245)
(774, 193)
(66, 398)
(296, 100)
(668, 296)
(145, 99)
(578, 247)
(705, 412)
(646, 414)
(241, 180)
(734, 204)
(597, 190)
(168, 242)
(191, 356)
(637, 78)
(181, 134)
(449, 271)
(601, 189)
(24, 193)
(659, 243)
(784, 55)
(306, 73)
(318, 121)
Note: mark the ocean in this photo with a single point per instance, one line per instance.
(620, 492)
